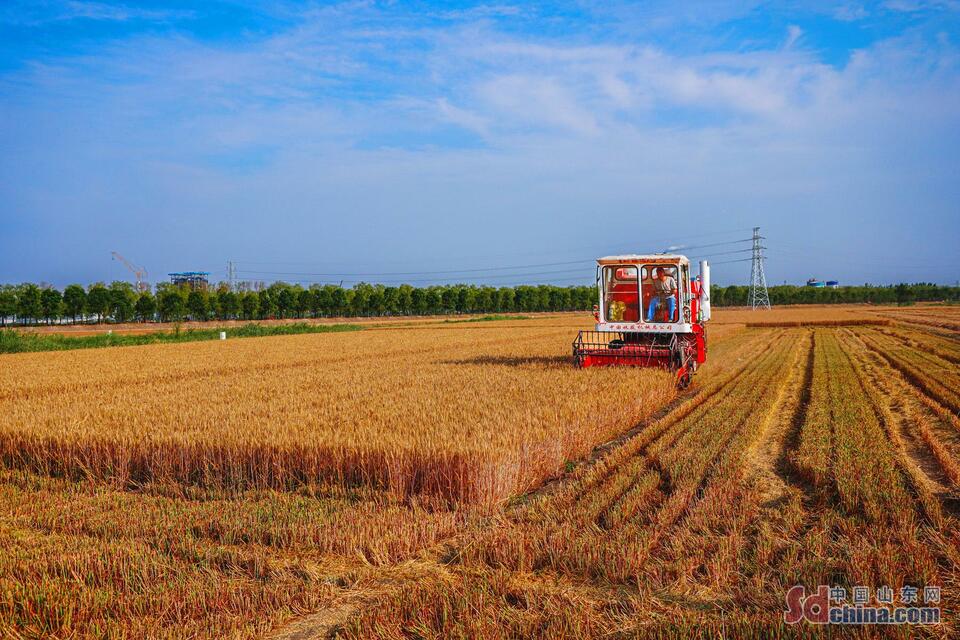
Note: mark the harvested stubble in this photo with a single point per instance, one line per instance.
(943, 347)
(791, 314)
(820, 323)
(607, 524)
(81, 560)
(937, 375)
(934, 316)
(690, 530)
(472, 415)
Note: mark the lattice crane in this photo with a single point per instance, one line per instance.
(139, 272)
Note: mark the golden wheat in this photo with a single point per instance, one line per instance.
(472, 415)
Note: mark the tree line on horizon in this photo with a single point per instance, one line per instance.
(119, 302)
(30, 303)
(903, 293)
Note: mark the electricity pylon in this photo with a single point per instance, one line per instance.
(759, 298)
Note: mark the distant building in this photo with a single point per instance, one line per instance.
(813, 282)
(193, 279)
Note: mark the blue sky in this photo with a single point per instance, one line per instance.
(320, 142)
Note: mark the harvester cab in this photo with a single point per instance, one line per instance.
(651, 313)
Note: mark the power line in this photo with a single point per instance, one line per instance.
(573, 280)
(707, 246)
(723, 253)
(373, 274)
(417, 273)
(496, 273)
(508, 276)
(606, 247)
(475, 270)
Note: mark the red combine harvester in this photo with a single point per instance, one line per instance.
(651, 314)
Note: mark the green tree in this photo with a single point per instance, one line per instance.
(74, 301)
(523, 298)
(303, 302)
(123, 299)
(249, 305)
(98, 300)
(51, 304)
(228, 304)
(505, 299)
(198, 305)
(466, 298)
(434, 300)
(361, 298)
(340, 302)
(418, 301)
(391, 300)
(375, 301)
(449, 299)
(286, 299)
(171, 305)
(405, 299)
(316, 300)
(487, 299)
(717, 296)
(28, 302)
(322, 303)
(8, 303)
(266, 305)
(146, 307)
(903, 293)
(559, 299)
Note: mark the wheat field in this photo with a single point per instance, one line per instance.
(473, 415)
(464, 480)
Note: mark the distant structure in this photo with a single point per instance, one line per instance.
(193, 279)
(139, 272)
(235, 284)
(759, 297)
(813, 282)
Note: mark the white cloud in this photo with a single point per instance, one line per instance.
(462, 117)
(793, 35)
(532, 101)
(39, 13)
(102, 11)
(484, 11)
(850, 12)
(912, 6)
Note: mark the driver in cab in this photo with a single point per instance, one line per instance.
(664, 293)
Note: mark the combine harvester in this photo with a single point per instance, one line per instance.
(651, 314)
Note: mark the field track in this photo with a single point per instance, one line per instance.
(818, 454)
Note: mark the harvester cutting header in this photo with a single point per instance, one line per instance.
(651, 313)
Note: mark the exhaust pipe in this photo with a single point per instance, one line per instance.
(704, 290)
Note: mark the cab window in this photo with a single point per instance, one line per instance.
(621, 300)
(659, 287)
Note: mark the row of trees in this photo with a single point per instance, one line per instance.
(119, 302)
(735, 296)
